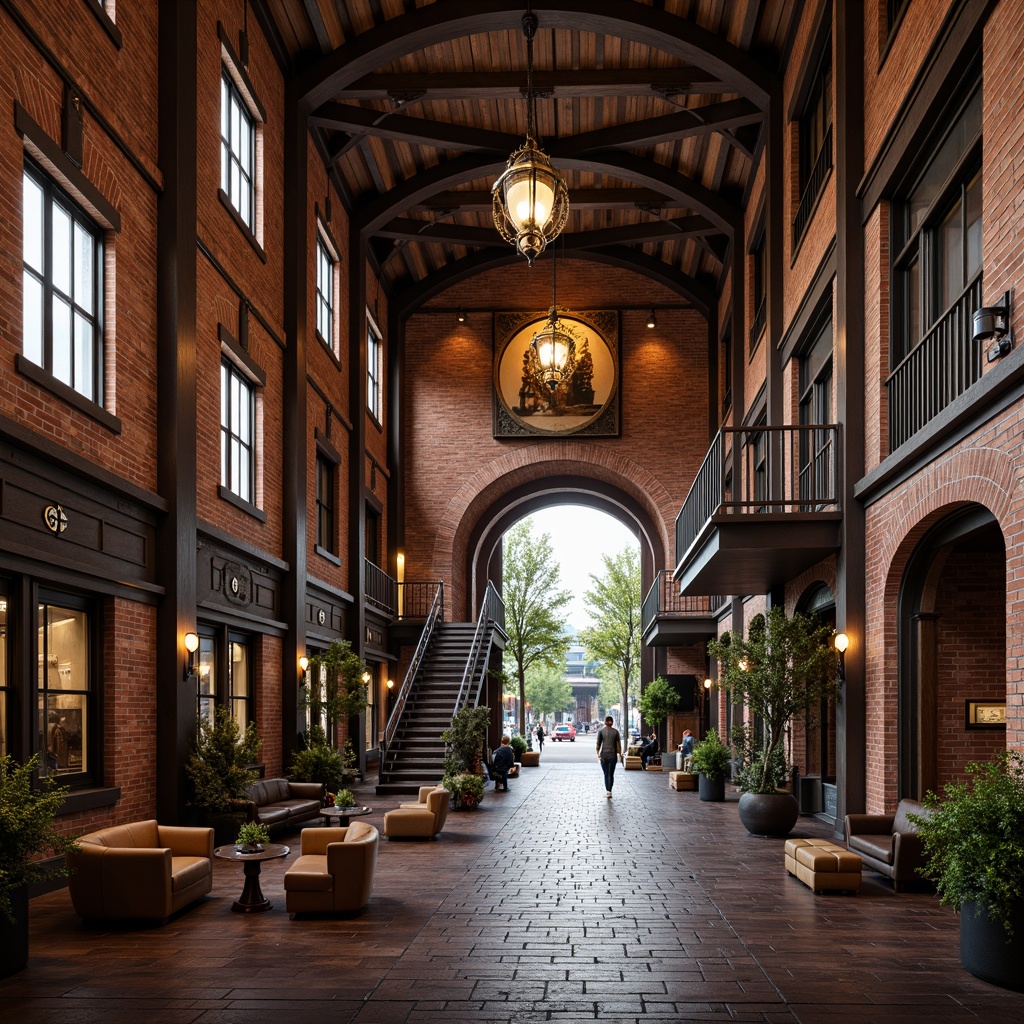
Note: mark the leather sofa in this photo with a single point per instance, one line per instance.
(278, 803)
(415, 821)
(140, 870)
(334, 871)
(889, 844)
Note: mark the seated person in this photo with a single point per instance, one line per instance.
(648, 750)
(686, 749)
(503, 760)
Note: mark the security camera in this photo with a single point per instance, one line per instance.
(993, 322)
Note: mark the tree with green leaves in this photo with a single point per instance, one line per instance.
(614, 607)
(547, 689)
(335, 690)
(658, 700)
(534, 606)
(609, 692)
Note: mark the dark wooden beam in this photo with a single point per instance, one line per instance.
(478, 200)
(638, 234)
(316, 22)
(407, 230)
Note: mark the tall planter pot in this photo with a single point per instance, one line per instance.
(711, 789)
(14, 937)
(984, 950)
(768, 814)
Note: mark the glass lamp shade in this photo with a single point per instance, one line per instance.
(530, 201)
(553, 347)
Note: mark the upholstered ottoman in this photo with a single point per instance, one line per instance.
(822, 865)
(682, 780)
(633, 763)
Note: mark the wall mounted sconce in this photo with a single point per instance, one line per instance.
(708, 683)
(841, 642)
(391, 684)
(366, 679)
(993, 322)
(303, 665)
(461, 315)
(652, 320)
(191, 645)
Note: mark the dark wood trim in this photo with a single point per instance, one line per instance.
(234, 350)
(848, 349)
(479, 200)
(329, 555)
(335, 412)
(231, 542)
(325, 448)
(177, 291)
(55, 161)
(44, 379)
(233, 499)
(225, 201)
(821, 27)
(238, 70)
(810, 307)
(957, 45)
(106, 22)
(80, 800)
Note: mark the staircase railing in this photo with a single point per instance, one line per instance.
(434, 616)
(492, 610)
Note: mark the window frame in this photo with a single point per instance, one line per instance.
(374, 371)
(6, 702)
(54, 195)
(759, 294)
(229, 438)
(232, 94)
(328, 267)
(216, 645)
(326, 467)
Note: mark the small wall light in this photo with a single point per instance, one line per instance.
(461, 315)
(841, 642)
(707, 684)
(993, 322)
(191, 645)
(303, 665)
(391, 684)
(366, 679)
(652, 320)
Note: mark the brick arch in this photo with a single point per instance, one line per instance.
(542, 464)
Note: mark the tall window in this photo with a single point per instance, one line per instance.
(370, 716)
(815, 142)
(326, 533)
(5, 743)
(760, 302)
(239, 688)
(63, 287)
(325, 311)
(237, 151)
(937, 238)
(64, 687)
(224, 675)
(374, 366)
(816, 409)
(206, 679)
(237, 429)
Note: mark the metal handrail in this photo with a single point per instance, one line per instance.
(815, 183)
(434, 616)
(492, 609)
(664, 599)
(380, 589)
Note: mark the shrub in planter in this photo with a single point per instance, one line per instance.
(710, 760)
(465, 739)
(221, 767)
(466, 788)
(320, 762)
(344, 798)
(252, 836)
(518, 745)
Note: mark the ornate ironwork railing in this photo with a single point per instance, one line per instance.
(663, 599)
(773, 469)
(435, 614)
(937, 371)
(815, 183)
(380, 589)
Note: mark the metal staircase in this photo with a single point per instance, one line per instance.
(446, 671)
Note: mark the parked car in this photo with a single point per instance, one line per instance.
(564, 732)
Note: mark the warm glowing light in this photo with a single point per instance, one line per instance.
(191, 642)
(366, 678)
(842, 642)
(707, 684)
(391, 684)
(303, 663)
(743, 664)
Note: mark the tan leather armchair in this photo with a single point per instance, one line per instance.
(140, 870)
(889, 844)
(334, 871)
(419, 822)
(421, 801)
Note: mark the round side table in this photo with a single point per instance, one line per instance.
(252, 900)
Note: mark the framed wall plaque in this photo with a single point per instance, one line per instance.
(985, 714)
(556, 387)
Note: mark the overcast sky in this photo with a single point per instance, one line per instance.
(579, 536)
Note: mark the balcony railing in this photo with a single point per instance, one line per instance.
(774, 469)
(415, 599)
(664, 600)
(381, 590)
(941, 368)
(815, 183)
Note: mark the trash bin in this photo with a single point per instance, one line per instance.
(671, 761)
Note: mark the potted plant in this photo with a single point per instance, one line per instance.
(335, 690)
(320, 762)
(221, 771)
(252, 836)
(658, 700)
(518, 745)
(344, 799)
(710, 760)
(466, 788)
(784, 667)
(973, 837)
(464, 740)
(26, 832)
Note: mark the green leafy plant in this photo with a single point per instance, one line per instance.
(253, 833)
(784, 667)
(26, 828)
(974, 837)
(518, 745)
(658, 700)
(748, 761)
(466, 788)
(320, 762)
(465, 740)
(710, 756)
(344, 798)
(335, 688)
(221, 767)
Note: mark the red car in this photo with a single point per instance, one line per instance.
(564, 732)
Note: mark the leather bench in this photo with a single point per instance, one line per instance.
(822, 865)
(682, 780)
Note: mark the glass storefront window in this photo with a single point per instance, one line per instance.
(238, 683)
(63, 689)
(4, 742)
(207, 679)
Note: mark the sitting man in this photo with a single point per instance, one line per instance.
(502, 762)
(648, 750)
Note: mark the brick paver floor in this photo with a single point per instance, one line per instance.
(549, 903)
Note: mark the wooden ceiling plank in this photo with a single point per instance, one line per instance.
(316, 21)
(580, 199)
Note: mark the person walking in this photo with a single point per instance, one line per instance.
(540, 737)
(609, 750)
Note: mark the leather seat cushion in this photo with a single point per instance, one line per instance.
(879, 847)
(274, 814)
(309, 874)
(303, 808)
(186, 871)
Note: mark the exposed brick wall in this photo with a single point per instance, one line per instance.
(876, 337)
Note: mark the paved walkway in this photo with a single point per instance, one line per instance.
(549, 903)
